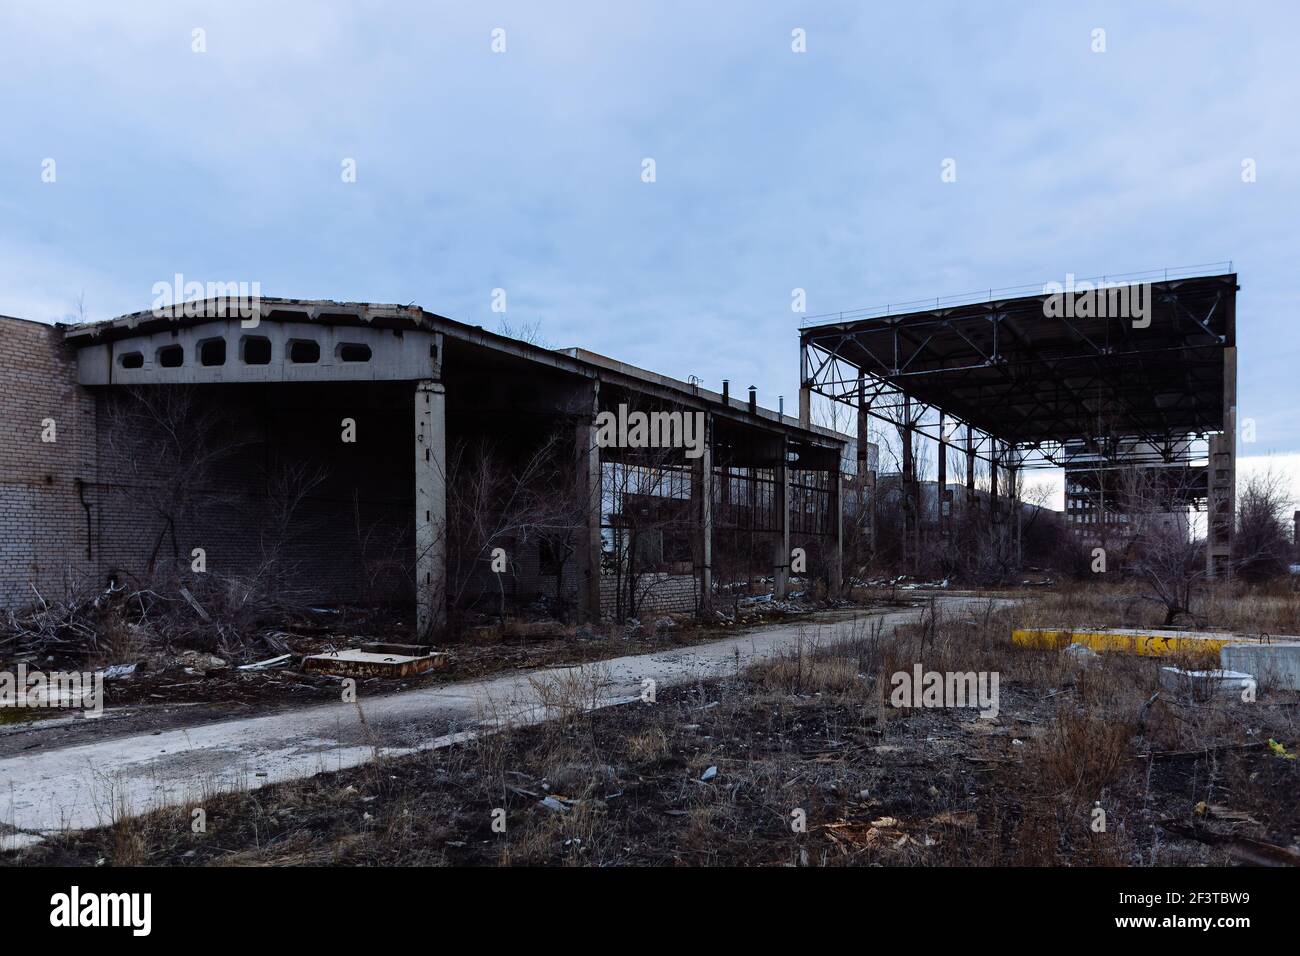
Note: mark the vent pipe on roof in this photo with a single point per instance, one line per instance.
(753, 400)
(726, 391)
(780, 405)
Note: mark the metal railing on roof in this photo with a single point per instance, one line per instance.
(1013, 292)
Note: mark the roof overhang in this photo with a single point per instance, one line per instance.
(1047, 368)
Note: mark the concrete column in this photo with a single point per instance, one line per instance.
(805, 406)
(1221, 508)
(781, 560)
(430, 509)
(591, 500)
(911, 505)
(942, 481)
(837, 530)
(1013, 474)
(865, 479)
(703, 490)
(972, 503)
(995, 454)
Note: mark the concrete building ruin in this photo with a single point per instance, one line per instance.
(333, 446)
(343, 452)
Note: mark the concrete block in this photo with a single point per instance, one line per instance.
(1204, 685)
(1275, 665)
(1146, 642)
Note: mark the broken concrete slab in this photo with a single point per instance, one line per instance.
(363, 664)
(1275, 664)
(1208, 684)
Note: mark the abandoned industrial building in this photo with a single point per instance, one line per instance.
(348, 452)
(353, 452)
(1138, 408)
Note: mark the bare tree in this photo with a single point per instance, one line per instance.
(162, 446)
(1261, 548)
(1161, 550)
(495, 501)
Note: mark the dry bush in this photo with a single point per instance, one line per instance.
(807, 669)
(649, 747)
(572, 691)
(1082, 753)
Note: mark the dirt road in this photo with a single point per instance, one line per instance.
(91, 784)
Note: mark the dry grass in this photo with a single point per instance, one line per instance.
(1273, 609)
(814, 766)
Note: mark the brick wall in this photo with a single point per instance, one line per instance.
(44, 530)
(349, 539)
(659, 594)
(94, 501)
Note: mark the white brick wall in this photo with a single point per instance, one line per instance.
(658, 594)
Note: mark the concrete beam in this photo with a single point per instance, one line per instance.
(430, 509)
(268, 352)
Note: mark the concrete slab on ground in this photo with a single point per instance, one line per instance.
(364, 664)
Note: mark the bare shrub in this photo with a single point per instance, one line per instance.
(1261, 548)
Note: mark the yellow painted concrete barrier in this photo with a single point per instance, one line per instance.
(1147, 643)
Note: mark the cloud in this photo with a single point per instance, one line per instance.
(776, 170)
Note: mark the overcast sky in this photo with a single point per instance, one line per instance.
(774, 170)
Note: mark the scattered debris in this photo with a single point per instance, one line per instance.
(281, 661)
(203, 662)
(1238, 847)
(198, 608)
(1200, 751)
(354, 663)
(1278, 749)
(708, 775)
(1081, 653)
(1212, 811)
(958, 818)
